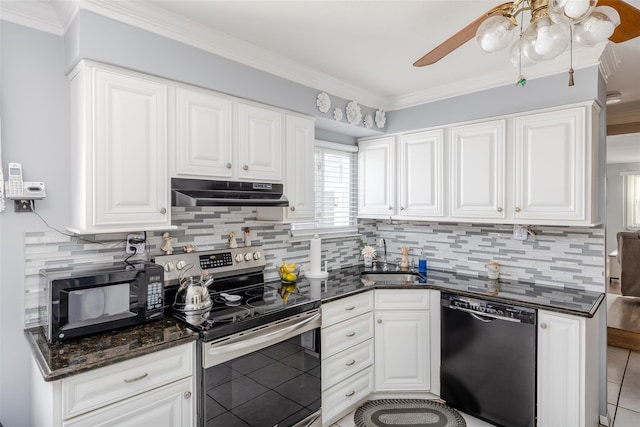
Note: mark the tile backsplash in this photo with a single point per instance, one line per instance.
(558, 256)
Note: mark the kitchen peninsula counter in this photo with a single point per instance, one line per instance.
(62, 360)
(346, 282)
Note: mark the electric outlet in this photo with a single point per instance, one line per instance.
(135, 244)
(520, 232)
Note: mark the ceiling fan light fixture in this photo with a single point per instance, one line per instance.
(570, 11)
(543, 40)
(517, 58)
(599, 26)
(494, 34)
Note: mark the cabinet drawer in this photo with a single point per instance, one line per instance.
(344, 364)
(100, 387)
(346, 334)
(345, 396)
(390, 299)
(337, 311)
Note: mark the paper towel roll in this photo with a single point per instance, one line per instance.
(315, 254)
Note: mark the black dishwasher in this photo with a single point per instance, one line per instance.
(488, 366)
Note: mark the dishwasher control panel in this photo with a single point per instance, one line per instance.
(490, 308)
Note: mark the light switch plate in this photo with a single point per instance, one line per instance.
(520, 232)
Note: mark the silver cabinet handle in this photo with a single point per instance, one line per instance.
(245, 167)
(134, 379)
(228, 165)
(350, 394)
(350, 363)
(163, 211)
(350, 308)
(402, 208)
(543, 326)
(517, 209)
(350, 334)
(499, 209)
(187, 394)
(379, 320)
(292, 208)
(390, 208)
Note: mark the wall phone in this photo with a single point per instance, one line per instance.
(17, 189)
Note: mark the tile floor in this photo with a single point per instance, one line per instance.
(623, 391)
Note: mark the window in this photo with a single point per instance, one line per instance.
(631, 200)
(335, 189)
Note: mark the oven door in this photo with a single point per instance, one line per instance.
(269, 376)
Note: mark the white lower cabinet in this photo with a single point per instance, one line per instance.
(403, 340)
(568, 370)
(347, 355)
(154, 389)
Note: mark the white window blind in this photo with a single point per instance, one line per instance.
(335, 189)
(631, 196)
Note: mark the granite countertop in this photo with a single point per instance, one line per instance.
(57, 361)
(346, 281)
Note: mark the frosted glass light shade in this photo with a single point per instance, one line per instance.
(597, 27)
(495, 33)
(517, 57)
(570, 11)
(544, 40)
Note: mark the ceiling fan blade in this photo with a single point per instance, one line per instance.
(458, 39)
(629, 27)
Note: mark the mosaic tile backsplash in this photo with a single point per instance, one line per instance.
(558, 256)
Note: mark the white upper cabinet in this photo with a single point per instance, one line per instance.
(421, 172)
(260, 143)
(477, 170)
(554, 167)
(376, 178)
(203, 134)
(118, 151)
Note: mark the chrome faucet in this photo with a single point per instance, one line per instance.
(383, 243)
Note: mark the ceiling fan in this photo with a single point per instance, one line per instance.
(554, 24)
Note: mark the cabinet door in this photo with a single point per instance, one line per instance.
(376, 178)
(402, 350)
(259, 144)
(169, 406)
(550, 163)
(204, 134)
(130, 146)
(477, 170)
(298, 169)
(559, 370)
(420, 169)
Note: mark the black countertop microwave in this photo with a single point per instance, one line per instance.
(86, 300)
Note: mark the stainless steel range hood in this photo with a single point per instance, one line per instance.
(202, 192)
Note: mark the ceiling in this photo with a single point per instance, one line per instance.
(357, 49)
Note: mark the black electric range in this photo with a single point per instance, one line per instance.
(241, 298)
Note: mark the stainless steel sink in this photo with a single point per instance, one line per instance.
(399, 277)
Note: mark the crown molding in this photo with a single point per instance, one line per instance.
(38, 15)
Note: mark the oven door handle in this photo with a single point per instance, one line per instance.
(259, 340)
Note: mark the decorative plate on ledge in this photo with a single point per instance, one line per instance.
(380, 118)
(354, 115)
(323, 102)
(337, 114)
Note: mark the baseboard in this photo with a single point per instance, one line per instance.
(623, 339)
(604, 420)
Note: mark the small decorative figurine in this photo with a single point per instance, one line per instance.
(189, 248)
(247, 236)
(493, 269)
(404, 263)
(232, 240)
(166, 246)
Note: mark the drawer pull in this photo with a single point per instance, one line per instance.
(350, 334)
(350, 394)
(543, 325)
(350, 362)
(187, 394)
(350, 308)
(134, 379)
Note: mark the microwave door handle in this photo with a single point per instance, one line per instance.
(246, 343)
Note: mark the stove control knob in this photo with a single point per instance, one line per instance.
(180, 264)
(257, 255)
(239, 258)
(247, 256)
(168, 267)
